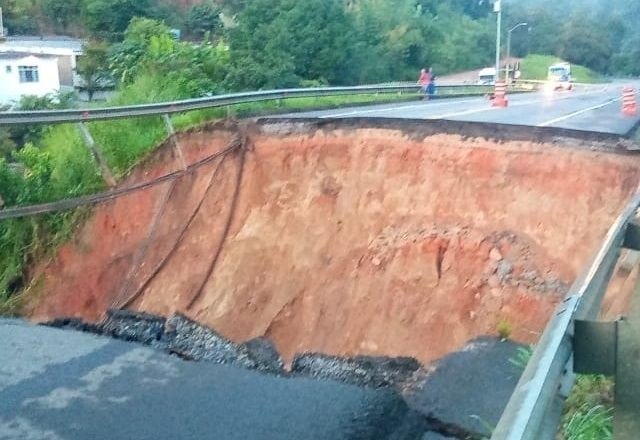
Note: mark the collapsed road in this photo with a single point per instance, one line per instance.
(373, 237)
(325, 279)
(74, 382)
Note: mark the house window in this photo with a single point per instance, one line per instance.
(28, 74)
(7, 69)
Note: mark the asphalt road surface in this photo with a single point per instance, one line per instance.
(595, 108)
(61, 384)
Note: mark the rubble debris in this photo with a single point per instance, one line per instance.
(364, 371)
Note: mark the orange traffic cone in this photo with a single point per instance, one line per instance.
(629, 105)
(500, 97)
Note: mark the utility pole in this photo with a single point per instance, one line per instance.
(1, 25)
(497, 8)
(509, 46)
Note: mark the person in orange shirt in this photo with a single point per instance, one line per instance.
(425, 80)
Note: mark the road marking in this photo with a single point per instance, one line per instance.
(466, 112)
(579, 112)
(514, 104)
(486, 108)
(388, 109)
(544, 99)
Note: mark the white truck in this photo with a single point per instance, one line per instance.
(559, 77)
(487, 77)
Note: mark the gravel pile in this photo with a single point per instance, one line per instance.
(265, 354)
(364, 371)
(183, 337)
(136, 327)
(192, 341)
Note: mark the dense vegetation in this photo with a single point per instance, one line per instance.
(381, 39)
(600, 34)
(284, 42)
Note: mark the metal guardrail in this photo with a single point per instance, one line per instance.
(96, 114)
(536, 406)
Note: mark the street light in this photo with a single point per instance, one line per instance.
(497, 8)
(509, 46)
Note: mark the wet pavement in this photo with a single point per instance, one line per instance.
(147, 377)
(63, 384)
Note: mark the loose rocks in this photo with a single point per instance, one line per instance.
(183, 337)
(265, 354)
(366, 371)
(133, 326)
(193, 341)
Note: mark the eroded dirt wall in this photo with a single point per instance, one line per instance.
(367, 241)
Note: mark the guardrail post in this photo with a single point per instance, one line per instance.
(107, 175)
(626, 423)
(173, 138)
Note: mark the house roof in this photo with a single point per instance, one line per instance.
(41, 43)
(20, 55)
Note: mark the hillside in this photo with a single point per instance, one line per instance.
(601, 35)
(536, 67)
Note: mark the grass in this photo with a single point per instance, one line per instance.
(194, 118)
(589, 410)
(522, 357)
(535, 67)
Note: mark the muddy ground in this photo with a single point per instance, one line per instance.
(372, 240)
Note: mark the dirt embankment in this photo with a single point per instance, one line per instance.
(349, 241)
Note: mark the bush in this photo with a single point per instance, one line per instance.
(504, 329)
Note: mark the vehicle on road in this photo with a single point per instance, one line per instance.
(487, 76)
(559, 77)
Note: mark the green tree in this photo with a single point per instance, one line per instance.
(582, 43)
(108, 19)
(126, 58)
(19, 16)
(308, 40)
(180, 70)
(204, 19)
(7, 145)
(62, 13)
(93, 68)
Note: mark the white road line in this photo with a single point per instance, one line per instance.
(464, 112)
(388, 109)
(579, 112)
(515, 104)
(487, 108)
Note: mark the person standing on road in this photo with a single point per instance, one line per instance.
(431, 88)
(424, 81)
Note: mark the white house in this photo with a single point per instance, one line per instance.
(27, 74)
(66, 49)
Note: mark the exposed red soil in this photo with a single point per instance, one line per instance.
(370, 241)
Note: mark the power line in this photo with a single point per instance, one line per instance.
(94, 199)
